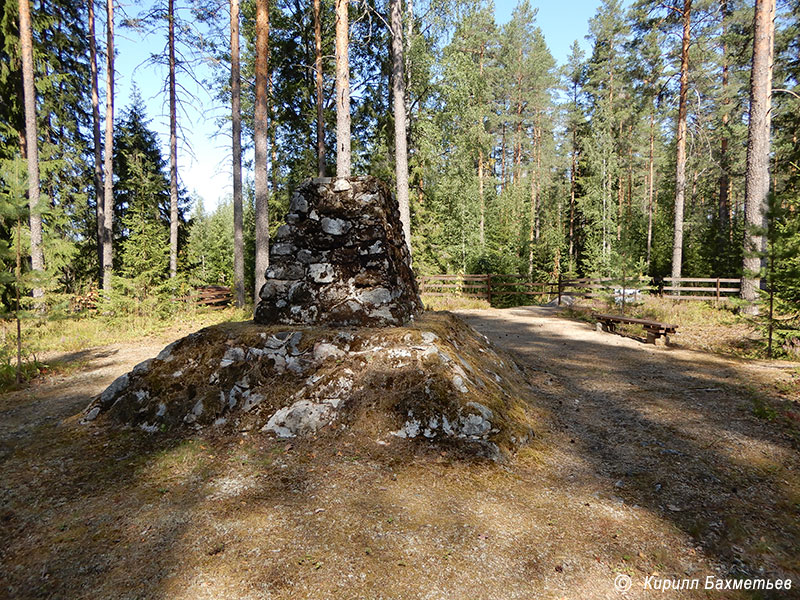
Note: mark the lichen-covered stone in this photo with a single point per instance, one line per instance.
(340, 260)
(409, 382)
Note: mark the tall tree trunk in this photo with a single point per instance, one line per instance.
(236, 127)
(482, 225)
(503, 160)
(173, 148)
(399, 92)
(108, 149)
(724, 179)
(758, 144)
(482, 199)
(680, 171)
(650, 186)
(319, 82)
(537, 136)
(572, 184)
(98, 156)
(260, 133)
(342, 89)
(620, 188)
(31, 138)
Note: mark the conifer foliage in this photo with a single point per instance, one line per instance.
(632, 152)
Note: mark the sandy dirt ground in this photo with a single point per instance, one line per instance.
(649, 462)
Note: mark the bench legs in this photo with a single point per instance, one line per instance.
(657, 338)
(604, 326)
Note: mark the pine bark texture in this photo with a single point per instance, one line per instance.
(108, 163)
(319, 89)
(98, 155)
(724, 178)
(236, 131)
(31, 138)
(399, 92)
(343, 168)
(260, 134)
(173, 148)
(680, 174)
(758, 145)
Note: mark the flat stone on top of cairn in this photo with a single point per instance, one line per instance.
(341, 259)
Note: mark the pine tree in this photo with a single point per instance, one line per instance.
(260, 140)
(758, 148)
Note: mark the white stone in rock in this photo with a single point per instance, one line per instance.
(142, 367)
(112, 391)
(473, 426)
(409, 430)
(367, 198)
(376, 296)
(324, 350)
(298, 204)
(342, 185)
(429, 337)
(446, 426)
(335, 226)
(148, 428)
(231, 356)
(302, 417)
(458, 383)
(166, 353)
(485, 411)
(282, 249)
(251, 401)
(321, 272)
(91, 415)
(161, 410)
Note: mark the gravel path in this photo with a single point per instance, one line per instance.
(676, 432)
(647, 462)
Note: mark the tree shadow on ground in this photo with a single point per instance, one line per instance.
(674, 432)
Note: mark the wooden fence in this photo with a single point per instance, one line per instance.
(509, 289)
(211, 296)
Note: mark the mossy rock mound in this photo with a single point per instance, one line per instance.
(436, 379)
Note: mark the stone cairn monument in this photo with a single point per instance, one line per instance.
(340, 260)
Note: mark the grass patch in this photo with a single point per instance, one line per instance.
(44, 336)
(701, 326)
(452, 302)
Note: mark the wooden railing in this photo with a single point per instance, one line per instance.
(507, 288)
(711, 288)
(211, 296)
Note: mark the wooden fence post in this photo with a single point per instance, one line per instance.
(559, 289)
(489, 288)
(716, 305)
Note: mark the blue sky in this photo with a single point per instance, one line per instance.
(206, 172)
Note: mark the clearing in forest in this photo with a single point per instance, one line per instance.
(647, 461)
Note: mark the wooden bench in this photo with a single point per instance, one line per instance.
(654, 329)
